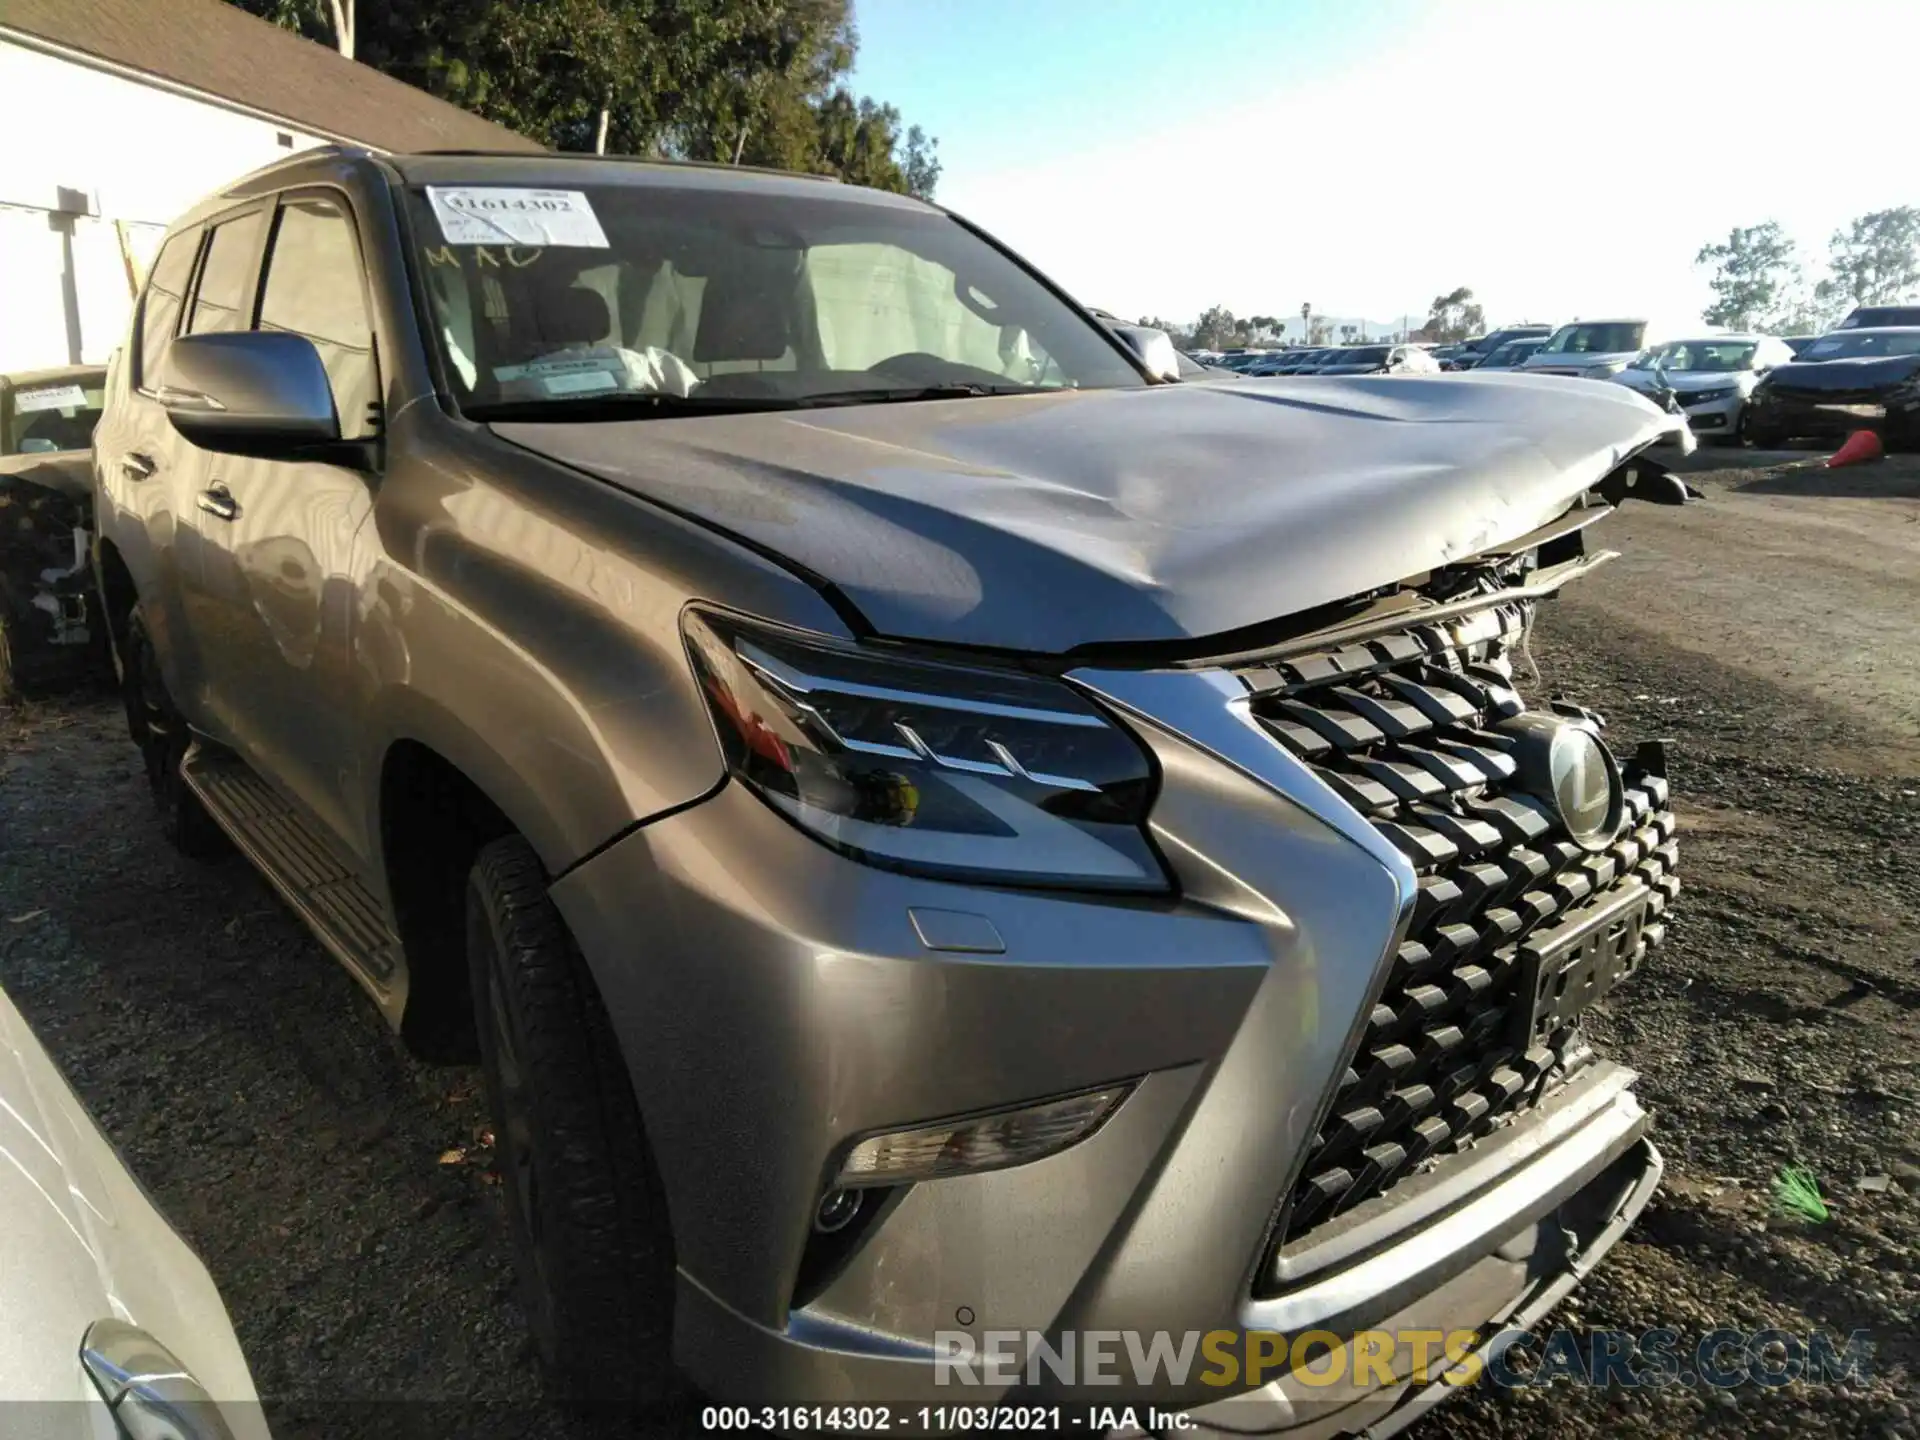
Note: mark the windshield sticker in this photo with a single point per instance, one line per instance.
(503, 216)
(538, 369)
(581, 383)
(52, 397)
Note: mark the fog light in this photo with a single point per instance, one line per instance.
(836, 1212)
(982, 1142)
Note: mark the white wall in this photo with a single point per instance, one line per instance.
(122, 151)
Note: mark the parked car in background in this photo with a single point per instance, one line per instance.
(1710, 377)
(1858, 379)
(108, 1310)
(48, 635)
(1508, 356)
(1595, 349)
(1381, 360)
(1300, 361)
(747, 656)
(1880, 317)
(1474, 353)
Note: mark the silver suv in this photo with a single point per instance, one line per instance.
(934, 826)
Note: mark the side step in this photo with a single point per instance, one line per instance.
(300, 863)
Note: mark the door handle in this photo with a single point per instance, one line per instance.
(218, 502)
(136, 466)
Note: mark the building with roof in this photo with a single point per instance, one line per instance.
(116, 115)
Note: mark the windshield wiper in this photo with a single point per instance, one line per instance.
(649, 404)
(890, 395)
(625, 405)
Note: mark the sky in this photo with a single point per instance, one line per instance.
(1564, 158)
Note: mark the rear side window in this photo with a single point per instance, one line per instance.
(223, 301)
(160, 310)
(313, 288)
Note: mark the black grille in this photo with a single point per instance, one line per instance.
(1869, 395)
(1401, 728)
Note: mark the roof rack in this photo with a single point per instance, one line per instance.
(634, 160)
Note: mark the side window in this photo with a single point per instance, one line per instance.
(224, 298)
(314, 289)
(160, 308)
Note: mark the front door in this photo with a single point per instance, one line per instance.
(291, 539)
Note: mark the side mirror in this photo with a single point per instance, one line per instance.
(1153, 348)
(149, 1391)
(254, 392)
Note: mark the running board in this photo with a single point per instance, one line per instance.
(300, 863)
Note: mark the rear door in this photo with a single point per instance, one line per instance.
(286, 538)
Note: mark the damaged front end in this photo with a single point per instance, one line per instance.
(50, 634)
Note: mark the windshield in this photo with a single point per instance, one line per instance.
(1857, 344)
(1604, 338)
(53, 415)
(1699, 355)
(735, 300)
(1365, 355)
(1867, 316)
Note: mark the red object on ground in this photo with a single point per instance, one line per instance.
(1861, 445)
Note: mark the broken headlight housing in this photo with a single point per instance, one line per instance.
(931, 768)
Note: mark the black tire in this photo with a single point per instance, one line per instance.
(162, 735)
(592, 1245)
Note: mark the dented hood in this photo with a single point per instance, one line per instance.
(1047, 523)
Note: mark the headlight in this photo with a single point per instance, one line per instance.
(1604, 372)
(936, 769)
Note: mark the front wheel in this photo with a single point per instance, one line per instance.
(160, 732)
(592, 1246)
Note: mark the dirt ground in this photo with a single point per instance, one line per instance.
(339, 1191)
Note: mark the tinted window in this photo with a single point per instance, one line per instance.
(313, 289)
(160, 310)
(1603, 338)
(226, 281)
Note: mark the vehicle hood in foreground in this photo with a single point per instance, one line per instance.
(1051, 522)
(82, 1243)
(70, 472)
(1860, 372)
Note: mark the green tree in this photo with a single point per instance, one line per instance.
(758, 82)
(1756, 279)
(1875, 260)
(1217, 329)
(1455, 316)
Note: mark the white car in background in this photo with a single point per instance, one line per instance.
(105, 1305)
(1596, 349)
(1711, 377)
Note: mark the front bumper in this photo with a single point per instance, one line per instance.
(1716, 417)
(1814, 416)
(776, 999)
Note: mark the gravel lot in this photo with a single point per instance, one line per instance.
(339, 1191)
